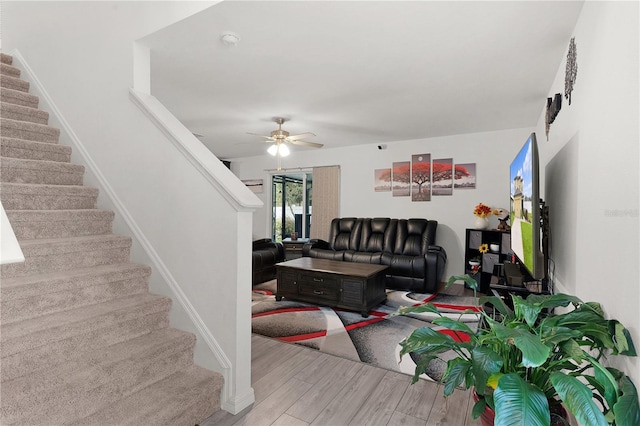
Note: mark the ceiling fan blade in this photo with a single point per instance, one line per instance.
(300, 136)
(262, 136)
(305, 143)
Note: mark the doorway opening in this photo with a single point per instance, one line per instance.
(291, 205)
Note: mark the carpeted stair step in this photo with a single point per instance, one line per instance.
(59, 254)
(10, 82)
(19, 97)
(183, 399)
(17, 170)
(42, 342)
(23, 113)
(62, 393)
(6, 59)
(10, 70)
(27, 196)
(36, 295)
(30, 131)
(30, 150)
(45, 357)
(33, 224)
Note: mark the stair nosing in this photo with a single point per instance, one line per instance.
(39, 145)
(37, 279)
(43, 165)
(72, 215)
(30, 188)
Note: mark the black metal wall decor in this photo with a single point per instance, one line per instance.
(572, 69)
(553, 108)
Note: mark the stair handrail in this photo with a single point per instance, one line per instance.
(228, 184)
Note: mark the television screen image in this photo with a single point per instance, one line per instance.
(525, 208)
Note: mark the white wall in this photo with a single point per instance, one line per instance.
(592, 159)
(82, 53)
(491, 151)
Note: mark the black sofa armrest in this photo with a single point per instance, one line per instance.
(436, 258)
(269, 245)
(314, 243)
(263, 243)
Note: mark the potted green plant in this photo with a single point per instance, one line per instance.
(524, 361)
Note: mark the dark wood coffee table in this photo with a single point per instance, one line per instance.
(346, 285)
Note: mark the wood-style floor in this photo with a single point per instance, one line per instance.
(298, 386)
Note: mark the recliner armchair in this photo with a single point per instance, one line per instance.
(266, 253)
(407, 246)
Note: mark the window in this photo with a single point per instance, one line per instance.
(291, 202)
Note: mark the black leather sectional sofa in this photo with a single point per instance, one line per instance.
(266, 253)
(407, 246)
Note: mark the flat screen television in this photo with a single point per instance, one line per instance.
(525, 209)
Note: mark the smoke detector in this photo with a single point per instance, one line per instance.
(229, 38)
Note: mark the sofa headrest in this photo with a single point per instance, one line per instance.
(414, 236)
(375, 233)
(345, 233)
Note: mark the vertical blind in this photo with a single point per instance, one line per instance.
(325, 199)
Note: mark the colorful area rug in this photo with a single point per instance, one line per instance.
(374, 340)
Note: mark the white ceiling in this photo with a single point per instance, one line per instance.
(360, 72)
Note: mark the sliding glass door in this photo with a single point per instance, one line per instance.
(291, 205)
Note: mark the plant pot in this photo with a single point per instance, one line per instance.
(488, 415)
(559, 416)
(482, 223)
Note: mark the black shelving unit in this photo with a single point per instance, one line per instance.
(474, 239)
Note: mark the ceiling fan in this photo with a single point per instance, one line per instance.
(280, 137)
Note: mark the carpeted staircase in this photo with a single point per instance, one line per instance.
(82, 340)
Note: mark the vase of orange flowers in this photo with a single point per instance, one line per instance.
(482, 213)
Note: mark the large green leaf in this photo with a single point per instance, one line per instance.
(478, 408)
(421, 367)
(626, 409)
(572, 350)
(579, 317)
(623, 341)
(578, 399)
(499, 304)
(419, 309)
(606, 380)
(456, 373)
(526, 310)
(485, 362)
(553, 336)
(454, 325)
(594, 306)
(473, 284)
(520, 403)
(554, 301)
(534, 352)
(422, 337)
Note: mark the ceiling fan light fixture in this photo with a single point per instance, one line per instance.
(283, 150)
(273, 149)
